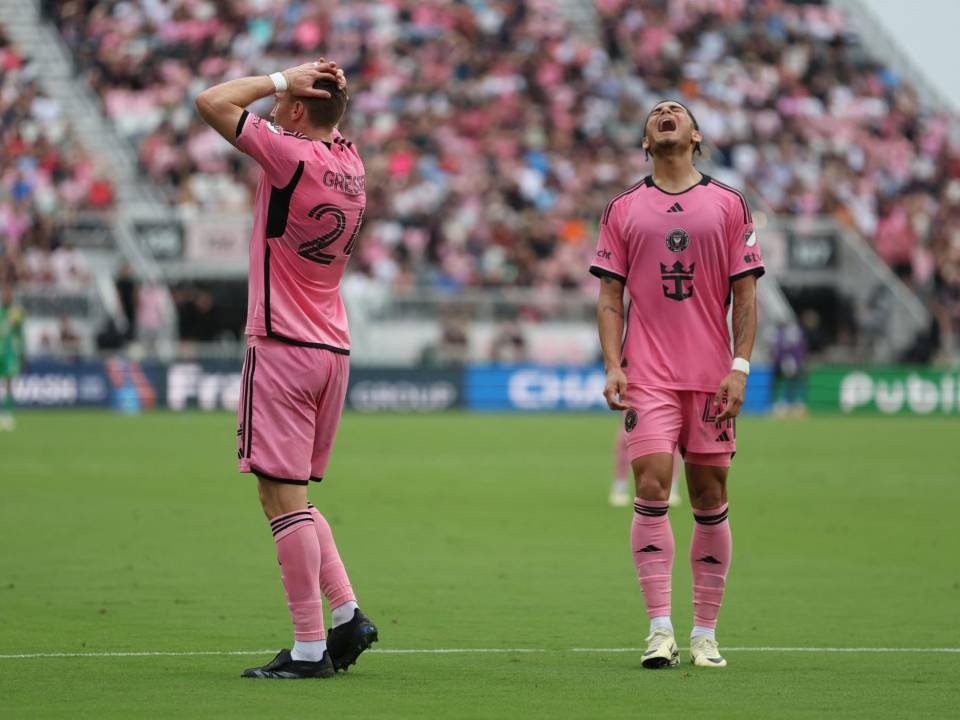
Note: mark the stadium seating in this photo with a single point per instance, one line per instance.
(494, 133)
(45, 175)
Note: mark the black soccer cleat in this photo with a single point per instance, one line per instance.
(346, 642)
(284, 667)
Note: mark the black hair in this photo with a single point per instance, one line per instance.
(693, 119)
(326, 112)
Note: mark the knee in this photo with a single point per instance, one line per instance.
(708, 495)
(652, 485)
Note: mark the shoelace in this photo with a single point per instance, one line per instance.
(659, 633)
(706, 645)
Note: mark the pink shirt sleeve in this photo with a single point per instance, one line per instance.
(276, 150)
(743, 253)
(611, 257)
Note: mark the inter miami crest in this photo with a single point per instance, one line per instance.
(679, 276)
(677, 240)
(630, 420)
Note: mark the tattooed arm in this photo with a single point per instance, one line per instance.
(732, 391)
(610, 325)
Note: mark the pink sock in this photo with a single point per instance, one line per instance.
(651, 538)
(333, 576)
(623, 457)
(710, 553)
(299, 556)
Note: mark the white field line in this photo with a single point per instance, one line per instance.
(472, 651)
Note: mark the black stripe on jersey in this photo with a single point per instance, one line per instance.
(243, 119)
(266, 288)
(747, 217)
(279, 208)
(606, 213)
(603, 272)
(704, 180)
(758, 271)
(314, 478)
(248, 442)
(304, 343)
(286, 481)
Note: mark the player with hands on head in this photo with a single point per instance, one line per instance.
(684, 246)
(308, 210)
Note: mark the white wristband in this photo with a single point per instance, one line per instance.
(279, 81)
(742, 365)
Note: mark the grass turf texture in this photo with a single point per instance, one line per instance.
(136, 534)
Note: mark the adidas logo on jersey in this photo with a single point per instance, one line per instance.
(675, 208)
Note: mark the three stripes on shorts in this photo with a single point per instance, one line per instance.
(245, 431)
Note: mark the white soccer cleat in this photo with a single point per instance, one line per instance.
(675, 499)
(7, 422)
(662, 650)
(705, 653)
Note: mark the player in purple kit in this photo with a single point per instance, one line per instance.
(308, 210)
(683, 244)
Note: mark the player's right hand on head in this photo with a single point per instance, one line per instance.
(615, 390)
(301, 79)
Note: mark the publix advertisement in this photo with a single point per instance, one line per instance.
(894, 390)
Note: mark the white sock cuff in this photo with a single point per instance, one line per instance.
(309, 650)
(661, 623)
(342, 613)
(704, 632)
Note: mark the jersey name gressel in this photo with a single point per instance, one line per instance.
(347, 184)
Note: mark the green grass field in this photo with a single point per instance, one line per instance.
(136, 535)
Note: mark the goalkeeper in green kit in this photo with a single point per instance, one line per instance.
(11, 350)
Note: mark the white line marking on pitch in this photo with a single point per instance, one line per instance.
(474, 651)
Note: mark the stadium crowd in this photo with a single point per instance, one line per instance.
(45, 174)
(494, 132)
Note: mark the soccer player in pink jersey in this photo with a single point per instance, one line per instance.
(308, 210)
(683, 244)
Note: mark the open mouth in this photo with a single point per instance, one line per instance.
(667, 124)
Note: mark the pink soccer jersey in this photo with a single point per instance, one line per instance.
(308, 211)
(678, 254)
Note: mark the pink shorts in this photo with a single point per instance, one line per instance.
(660, 419)
(291, 399)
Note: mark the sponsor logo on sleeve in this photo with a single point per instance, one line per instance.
(750, 238)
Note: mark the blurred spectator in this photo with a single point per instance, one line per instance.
(71, 344)
(452, 348)
(509, 345)
(44, 175)
(127, 292)
(788, 351)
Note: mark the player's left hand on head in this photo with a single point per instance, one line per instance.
(730, 395)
